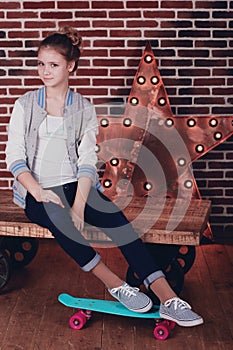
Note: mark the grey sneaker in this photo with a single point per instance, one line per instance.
(132, 298)
(180, 312)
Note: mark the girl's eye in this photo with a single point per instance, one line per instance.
(40, 64)
(54, 65)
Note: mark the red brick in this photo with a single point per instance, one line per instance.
(32, 82)
(211, 43)
(32, 43)
(226, 91)
(107, 24)
(90, 14)
(125, 33)
(56, 15)
(209, 100)
(193, 53)
(108, 4)
(73, 4)
(8, 63)
(108, 82)
(194, 33)
(18, 91)
(92, 72)
(10, 24)
(176, 24)
(4, 183)
(222, 110)
(22, 14)
(193, 14)
(3, 110)
(23, 53)
(125, 53)
(159, 14)
(39, 24)
(22, 72)
(211, 4)
(120, 92)
(159, 34)
(3, 138)
(222, 53)
(93, 92)
(194, 91)
(142, 4)
(23, 34)
(194, 72)
(124, 14)
(168, 81)
(177, 4)
(141, 24)
(109, 43)
(95, 53)
(38, 4)
(10, 43)
(6, 119)
(8, 5)
(94, 33)
(177, 43)
(192, 110)
(10, 81)
(108, 62)
(209, 81)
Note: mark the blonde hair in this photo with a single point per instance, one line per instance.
(67, 42)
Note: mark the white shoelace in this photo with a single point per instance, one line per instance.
(177, 302)
(127, 290)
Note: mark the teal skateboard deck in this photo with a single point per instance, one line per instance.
(86, 306)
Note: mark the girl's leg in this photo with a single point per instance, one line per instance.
(58, 221)
(101, 212)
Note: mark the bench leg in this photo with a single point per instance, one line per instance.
(4, 269)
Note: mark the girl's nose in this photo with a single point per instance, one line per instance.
(46, 70)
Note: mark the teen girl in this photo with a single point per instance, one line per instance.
(51, 154)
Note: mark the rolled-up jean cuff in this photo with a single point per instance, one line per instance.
(89, 266)
(153, 277)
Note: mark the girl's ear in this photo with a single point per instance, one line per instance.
(71, 66)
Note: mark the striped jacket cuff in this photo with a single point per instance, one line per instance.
(18, 167)
(87, 171)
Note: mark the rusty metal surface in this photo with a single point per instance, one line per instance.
(148, 151)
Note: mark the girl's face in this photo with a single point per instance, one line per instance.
(53, 69)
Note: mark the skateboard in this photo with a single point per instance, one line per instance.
(86, 306)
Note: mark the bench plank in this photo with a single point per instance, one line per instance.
(169, 221)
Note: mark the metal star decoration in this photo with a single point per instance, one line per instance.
(148, 151)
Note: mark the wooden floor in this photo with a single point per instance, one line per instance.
(31, 318)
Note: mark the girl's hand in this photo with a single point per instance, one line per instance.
(48, 196)
(77, 215)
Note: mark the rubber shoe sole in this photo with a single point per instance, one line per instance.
(186, 323)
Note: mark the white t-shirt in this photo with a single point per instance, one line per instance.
(51, 166)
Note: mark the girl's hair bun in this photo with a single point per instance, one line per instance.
(73, 35)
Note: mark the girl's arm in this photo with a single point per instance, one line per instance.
(16, 158)
(40, 194)
(87, 160)
(77, 210)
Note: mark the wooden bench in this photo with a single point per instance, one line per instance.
(186, 220)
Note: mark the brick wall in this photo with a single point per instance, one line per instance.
(192, 41)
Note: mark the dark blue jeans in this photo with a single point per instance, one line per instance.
(102, 213)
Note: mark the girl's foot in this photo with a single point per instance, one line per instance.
(132, 298)
(180, 312)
